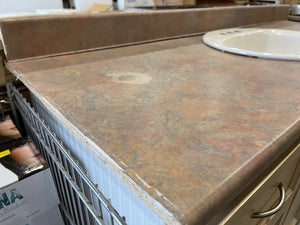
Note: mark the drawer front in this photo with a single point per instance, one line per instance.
(266, 195)
(294, 211)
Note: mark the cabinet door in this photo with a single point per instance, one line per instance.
(294, 211)
(266, 195)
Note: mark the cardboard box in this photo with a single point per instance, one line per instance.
(85, 5)
(100, 8)
(27, 199)
(50, 217)
(7, 177)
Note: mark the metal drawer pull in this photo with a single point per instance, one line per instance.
(275, 209)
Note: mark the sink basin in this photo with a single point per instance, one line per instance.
(262, 43)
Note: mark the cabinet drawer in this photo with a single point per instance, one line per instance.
(294, 210)
(266, 195)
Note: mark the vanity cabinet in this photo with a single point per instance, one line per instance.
(279, 189)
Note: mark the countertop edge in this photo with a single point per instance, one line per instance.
(167, 217)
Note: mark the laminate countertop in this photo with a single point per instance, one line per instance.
(190, 125)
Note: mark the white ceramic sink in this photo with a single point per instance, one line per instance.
(262, 43)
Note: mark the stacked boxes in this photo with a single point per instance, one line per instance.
(27, 192)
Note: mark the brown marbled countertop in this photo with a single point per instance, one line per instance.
(189, 124)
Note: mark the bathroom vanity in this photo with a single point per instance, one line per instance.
(188, 134)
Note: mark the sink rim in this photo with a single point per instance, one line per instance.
(216, 39)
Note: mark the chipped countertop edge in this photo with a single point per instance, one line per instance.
(152, 203)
